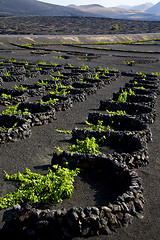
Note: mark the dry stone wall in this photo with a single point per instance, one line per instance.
(133, 132)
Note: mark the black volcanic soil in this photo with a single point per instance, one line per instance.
(73, 25)
(36, 152)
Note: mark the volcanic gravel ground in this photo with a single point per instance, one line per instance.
(73, 25)
(147, 228)
(36, 152)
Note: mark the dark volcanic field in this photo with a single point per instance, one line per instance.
(73, 25)
(36, 152)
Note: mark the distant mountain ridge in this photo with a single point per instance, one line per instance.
(121, 12)
(142, 7)
(35, 7)
(92, 5)
(124, 6)
(154, 9)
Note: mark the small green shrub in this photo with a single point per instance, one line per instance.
(118, 112)
(83, 81)
(82, 59)
(96, 76)
(64, 131)
(25, 62)
(67, 87)
(115, 27)
(131, 92)
(55, 78)
(139, 87)
(70, 65)
(61, 92)
(60, 74)
(20, 87)
(14, 111)
(122, 97)
(84, 67)
(135, 82)
(15, 125)
(37, 188)
(106, 70)
(5, 96)
(41, 82)
(8, 74)
(98, 127)
(59, 57)
(128, 62)
(155, 74)
(85, 146)
(49, 101)
(12, 60)
(54, 64)
(27, 45)
(42, 63)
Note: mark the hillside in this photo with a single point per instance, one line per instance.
(154, 10)
(34, 7)
(38, 8)
(142, 7)
(117, 12)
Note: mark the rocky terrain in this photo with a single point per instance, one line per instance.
(30, 61)
(73, 26)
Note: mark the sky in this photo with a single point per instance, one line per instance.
(104, 3)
